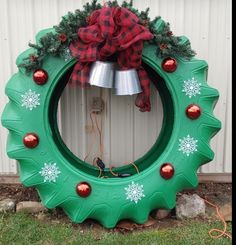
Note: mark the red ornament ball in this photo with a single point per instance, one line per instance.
(83, 189)
(40, 76)
(169, 64)
(62, 37)
(193, 111)
(167, 170)
(31, 140)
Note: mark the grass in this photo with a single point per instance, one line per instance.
(25, 229)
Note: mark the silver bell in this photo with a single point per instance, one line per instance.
(127, 82)
(102, 74)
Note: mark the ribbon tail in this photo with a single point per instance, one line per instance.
(80, 75)
(143, 99)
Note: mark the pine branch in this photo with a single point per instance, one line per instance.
(56, 44)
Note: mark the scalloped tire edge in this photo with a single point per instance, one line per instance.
(111, 199)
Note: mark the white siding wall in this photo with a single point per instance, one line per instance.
(207, 23)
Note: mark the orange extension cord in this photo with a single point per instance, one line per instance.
(222, 232)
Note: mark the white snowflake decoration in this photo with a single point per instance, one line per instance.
(188, 145)
(134, 192)
(50, 172)
(30, 99)
(191, 87)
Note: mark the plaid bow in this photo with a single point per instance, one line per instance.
(112, 31)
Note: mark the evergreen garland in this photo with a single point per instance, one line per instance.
(56, 43)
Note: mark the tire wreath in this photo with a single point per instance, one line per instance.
(49, 166)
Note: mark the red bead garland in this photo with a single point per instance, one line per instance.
(83, 189)
(40, 76)
(193, 111)
(169, 64)
(167, 170)
(31, 140)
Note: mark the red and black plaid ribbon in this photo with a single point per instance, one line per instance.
(112, 31)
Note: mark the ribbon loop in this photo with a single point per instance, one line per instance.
(112, 31)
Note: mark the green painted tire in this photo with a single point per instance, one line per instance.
(55, 172)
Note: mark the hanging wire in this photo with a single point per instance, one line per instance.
(100, 135)
(114, 174)
(93, 117)
(135, 166)
(93, 138)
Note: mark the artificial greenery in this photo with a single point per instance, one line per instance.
(56, 43)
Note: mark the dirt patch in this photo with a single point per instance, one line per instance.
(18, 192)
